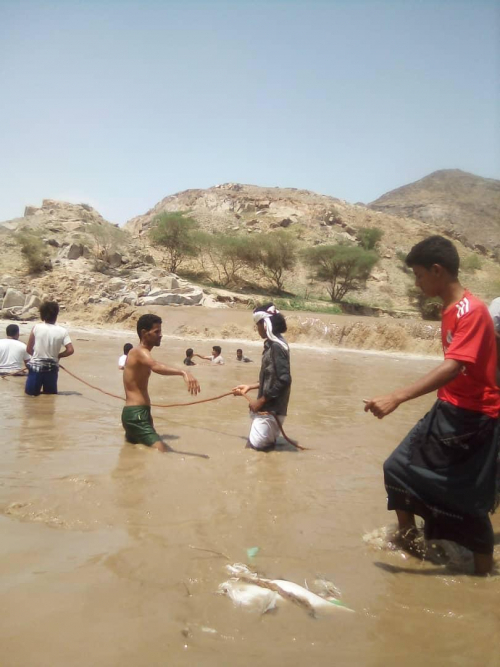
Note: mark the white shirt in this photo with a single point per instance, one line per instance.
(12, 355)
(122, 360)
(49, 338)
(217, 360)
(495, 313)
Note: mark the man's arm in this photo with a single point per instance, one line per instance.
(162, 369)
(202, 357)
(438, 377)
(67, 352)
(31, 343)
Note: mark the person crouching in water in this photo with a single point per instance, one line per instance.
(274, 382)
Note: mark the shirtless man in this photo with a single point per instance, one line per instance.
(136, 415)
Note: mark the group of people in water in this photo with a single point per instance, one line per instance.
(445, 469)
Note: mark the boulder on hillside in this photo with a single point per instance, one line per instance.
(74, 251)
(32, 301)
(13, 298)
(115, 259)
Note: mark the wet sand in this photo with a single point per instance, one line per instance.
(102, 561)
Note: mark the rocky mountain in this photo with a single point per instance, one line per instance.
(462, 205)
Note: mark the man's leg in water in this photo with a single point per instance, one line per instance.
(483, 563)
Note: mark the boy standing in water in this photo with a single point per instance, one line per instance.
(136, 415)
(444, 470)
(44, 345)
(274, 382)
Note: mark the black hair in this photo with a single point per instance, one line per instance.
(435, 250)
(277, 320)
(147, 322)
(49, 310)
(189, 352)
(217, 348)
(12, 330)
(127, 347)
(239, 350)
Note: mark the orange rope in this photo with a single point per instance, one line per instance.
(181, 405)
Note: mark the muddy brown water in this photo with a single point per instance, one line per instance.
(102, 557)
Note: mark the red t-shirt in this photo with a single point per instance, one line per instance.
(468, 336)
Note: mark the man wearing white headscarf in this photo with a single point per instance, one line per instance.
(270, 406)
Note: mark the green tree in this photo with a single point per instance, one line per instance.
(340, 267)
(106, 239)
(228, 255)
(34, 251)
(273, 254)
(174, 233)
(369, 237)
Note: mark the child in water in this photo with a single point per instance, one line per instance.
(275, 381)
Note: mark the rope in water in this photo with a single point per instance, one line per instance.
(294, 443)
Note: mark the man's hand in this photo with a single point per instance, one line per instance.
(383, 405)
(241, 389)
(192, 383)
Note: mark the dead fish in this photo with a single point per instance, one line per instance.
(247, 589)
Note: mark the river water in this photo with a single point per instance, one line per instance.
(113, 554)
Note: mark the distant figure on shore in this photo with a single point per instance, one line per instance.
(444, 470)
(44, 344)
(136, 415)
(13, 354)
(188, 361)
(216, 357)
(274, 382)
(240, 356)
(123, 359)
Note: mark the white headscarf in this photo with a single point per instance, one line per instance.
(266, 316)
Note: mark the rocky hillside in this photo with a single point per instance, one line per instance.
(90, 261)
(315, 218)
(462, 205)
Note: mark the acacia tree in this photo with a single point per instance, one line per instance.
(106, 238)
(228, 255)
(174, 233)
(273, 254)
(340, 267)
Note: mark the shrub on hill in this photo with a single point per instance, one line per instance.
(430, 307)
(369, 237)
(273, 254)
(34, 251)
(224, 256)
(340, 267)
(106, 239)
(173, 232)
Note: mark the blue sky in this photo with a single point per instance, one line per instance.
(120, 103)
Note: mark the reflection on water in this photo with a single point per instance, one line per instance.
(121, 541)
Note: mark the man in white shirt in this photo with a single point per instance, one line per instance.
(13, 355)
(216, 358)
(44, 344)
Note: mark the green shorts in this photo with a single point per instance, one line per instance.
(138, 425)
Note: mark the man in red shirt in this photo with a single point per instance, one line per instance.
(444, 470)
